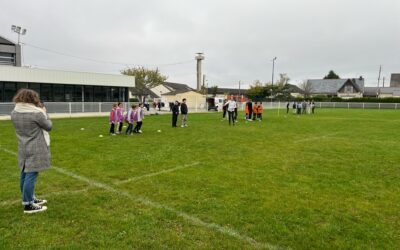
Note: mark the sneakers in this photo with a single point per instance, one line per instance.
(182, 126)
(39, 201)
(140, 131)
(33, 208)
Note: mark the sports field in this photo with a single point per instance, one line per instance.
(326, 181)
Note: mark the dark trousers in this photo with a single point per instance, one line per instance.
(137, 127)
(254, 116)
(259, 116)
(129, 129)
(250, 114)
(235, 114)
(224, 114)
(112, 128)
(174, 119)
(231, 116)
(287, 110)
(312, 110)
(121, 124)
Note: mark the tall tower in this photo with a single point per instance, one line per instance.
(199, 58)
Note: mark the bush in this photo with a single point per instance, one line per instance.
(134, 100)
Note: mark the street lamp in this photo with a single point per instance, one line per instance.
(273, 70)
(19, 30)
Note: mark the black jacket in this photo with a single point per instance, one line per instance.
(184, 109)
(175, 109)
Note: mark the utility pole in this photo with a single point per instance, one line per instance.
(273, 70)
(199, 58)
(379, 76)
(383, 82)
(204, 80)
(239, 88)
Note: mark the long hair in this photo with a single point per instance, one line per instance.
(27, 96)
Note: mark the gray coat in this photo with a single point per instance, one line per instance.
(33, 151)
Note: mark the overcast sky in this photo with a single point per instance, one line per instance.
(239, 38)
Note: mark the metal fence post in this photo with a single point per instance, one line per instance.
(320, 105)
(395, 106)
(379, 106)
(363, 105)
(348, 105)
(334, 105)
(99, 107)
(70, 109)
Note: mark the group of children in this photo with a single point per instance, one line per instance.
(303, 107)
(134, 115)
(253, 111)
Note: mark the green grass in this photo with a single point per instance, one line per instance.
(326, 181)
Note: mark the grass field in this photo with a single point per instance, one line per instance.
(326, 181)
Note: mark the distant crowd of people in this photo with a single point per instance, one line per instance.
(303, 107)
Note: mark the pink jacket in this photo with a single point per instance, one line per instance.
(113, 116)
(120, 114)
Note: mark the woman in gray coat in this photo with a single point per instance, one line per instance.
(32, 126)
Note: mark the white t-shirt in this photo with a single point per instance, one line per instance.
(231, 105)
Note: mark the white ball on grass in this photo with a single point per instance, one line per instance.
(159, 131)
(100, 135)
(82, 128)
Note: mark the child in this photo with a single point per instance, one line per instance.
(260, 111)
(139, 115)
(255, 111)
(175, 113)
(129, 119)
(113, 118)
(120, 113)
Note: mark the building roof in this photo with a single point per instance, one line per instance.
(6, 41)
(176, 86)
(36, 75)
(291, 88)
(231, 91)
(176, 92)
(332, 86)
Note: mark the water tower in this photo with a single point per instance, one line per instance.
(199, 58)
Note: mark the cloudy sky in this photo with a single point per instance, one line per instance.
(239, 38)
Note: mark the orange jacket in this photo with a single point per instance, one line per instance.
(260, 109)
(255, 109)
(246, 110)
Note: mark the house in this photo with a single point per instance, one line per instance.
(168, 87)
(344, 88)
(294, 90)
(382, 92)
(194, 99)
(10, 53)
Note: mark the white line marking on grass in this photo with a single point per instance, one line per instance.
(315, 138)
(194, 220)
(157, 173)
(13, 202)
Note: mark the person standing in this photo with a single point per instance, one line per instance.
(249, 106)
(224, 109)
(175, 113)
(184, 112)
(139, 116)
(113, 119)
(260, 110)
(312, 107)
(129, 119)
(231, 105)
(120, 114)
(287, 107)
(32, 125)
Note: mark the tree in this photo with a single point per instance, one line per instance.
(144, 79)
(307, 88)
(332, 75)
(283, 80)
(257, 91)
(214, 90)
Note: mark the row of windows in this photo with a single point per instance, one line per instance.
(65, 93)
(7, 58)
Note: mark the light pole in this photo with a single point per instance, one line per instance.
(19, 30)
(273, 69)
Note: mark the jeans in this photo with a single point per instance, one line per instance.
(27, 186)
(184, 119)
(129, 129)
(112, 128)
(138, 127)
(231, 117)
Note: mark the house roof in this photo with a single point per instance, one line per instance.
(6, 41)
(221, 91)
(180, 92)
(332, 86)
(176, 86)
(291, 88)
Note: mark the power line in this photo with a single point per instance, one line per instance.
(103, 61)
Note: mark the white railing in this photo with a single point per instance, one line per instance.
(93, 107)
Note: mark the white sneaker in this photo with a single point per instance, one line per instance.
(140, 131)
(182, 126)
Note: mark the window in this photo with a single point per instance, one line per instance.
(99, 94)
(88, 93)
(78, 93)
(7, 58)
(46, 93)
(69, 93)
(122, 94)
(114, 94)
(348, 89)
(35, 87)
(1, 92)
(58, 90)
(107, 91)
(10, 90)
(22, 85)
